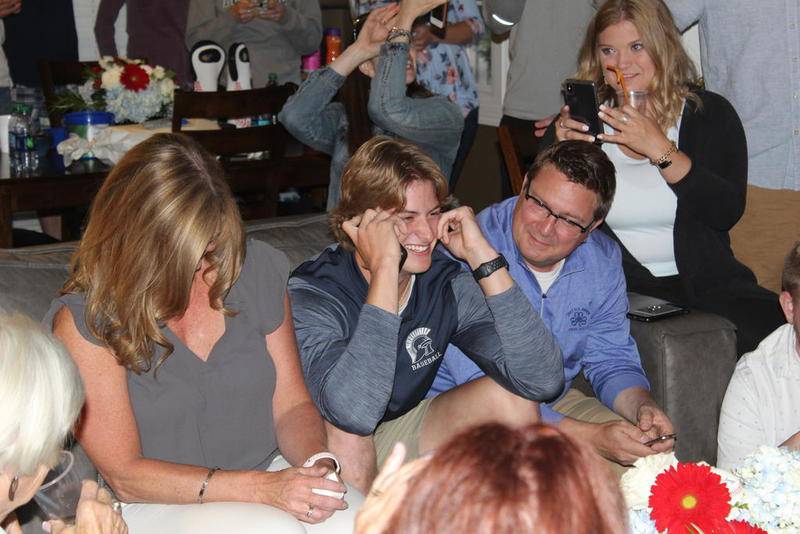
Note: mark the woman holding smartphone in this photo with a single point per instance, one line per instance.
(681, 163)
(390, 104)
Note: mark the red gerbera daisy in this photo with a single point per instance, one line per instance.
(134, 78)
(689, 498)
(743, 527)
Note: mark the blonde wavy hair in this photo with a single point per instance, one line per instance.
(674, 71)
(378, 175)
(149, 227)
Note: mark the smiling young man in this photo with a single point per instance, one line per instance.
(573, 278)
(372, 327)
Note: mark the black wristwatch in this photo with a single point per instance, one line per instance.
(485, 269)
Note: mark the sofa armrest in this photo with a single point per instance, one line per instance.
(689, 361)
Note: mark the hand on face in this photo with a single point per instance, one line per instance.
(375, 236)
(458, 230)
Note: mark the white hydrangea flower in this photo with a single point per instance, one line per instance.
(167, 87)
(110, 78)
(106, 62)
(636, 482)
(639, 522)
(159, 72)
(771, 483)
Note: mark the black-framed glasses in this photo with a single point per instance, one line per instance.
(563, 224)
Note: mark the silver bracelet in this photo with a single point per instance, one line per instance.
(396, 32)
(204, 485)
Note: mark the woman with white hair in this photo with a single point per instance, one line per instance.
(41, 396)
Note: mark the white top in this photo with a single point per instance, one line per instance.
(762, 404)
(643, 212)
(547, 278)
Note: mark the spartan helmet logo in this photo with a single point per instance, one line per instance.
(419, 345)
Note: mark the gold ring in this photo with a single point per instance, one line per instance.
(375, 492)
(625, 119)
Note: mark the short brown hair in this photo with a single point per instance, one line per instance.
(790, 279)
(584, 164)
(533, 479)
(377, 177)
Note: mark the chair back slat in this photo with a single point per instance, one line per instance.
(511, 157)
(56, 73)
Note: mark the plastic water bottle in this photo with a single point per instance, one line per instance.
(21, 141)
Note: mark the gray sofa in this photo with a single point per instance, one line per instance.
(688, 359)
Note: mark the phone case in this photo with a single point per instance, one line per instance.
(581, 97)
(648, 309)
(438, 21)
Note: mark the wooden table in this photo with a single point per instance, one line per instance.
(53, 187)
(50, 187)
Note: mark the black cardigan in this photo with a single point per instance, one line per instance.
(711, 200)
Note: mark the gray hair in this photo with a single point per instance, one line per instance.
(41, 395)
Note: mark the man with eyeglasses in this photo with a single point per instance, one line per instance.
(573, 278)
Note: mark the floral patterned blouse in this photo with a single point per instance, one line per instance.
(444, 69)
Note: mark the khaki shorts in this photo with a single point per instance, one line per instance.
(590, 410)
(406, 428)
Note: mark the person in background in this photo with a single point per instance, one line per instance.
(390, 104)
(545, 38)
(762, 403)
(7, 7)
(572, 276)
(443, 66)
(497, 479)
(681, 165)
(39, 30)
(196, 411)
(41, 397)
(156, 32)
(749, 54)
(375, 314)
(277, 32)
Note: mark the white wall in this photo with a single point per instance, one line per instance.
(691, 42)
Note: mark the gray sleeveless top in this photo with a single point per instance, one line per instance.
(216, 413)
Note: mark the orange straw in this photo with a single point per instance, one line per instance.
(620, 81)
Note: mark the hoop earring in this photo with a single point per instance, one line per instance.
(12, 489)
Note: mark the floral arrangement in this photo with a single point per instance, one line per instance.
(129, 88)
(761, 496)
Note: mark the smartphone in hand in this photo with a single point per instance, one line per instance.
(581, 97)
(438, 20)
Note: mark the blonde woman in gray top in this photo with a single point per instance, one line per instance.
(196, 407)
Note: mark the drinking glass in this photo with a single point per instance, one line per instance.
(59, 494)
(637, 99)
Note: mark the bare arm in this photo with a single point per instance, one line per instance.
(793, 442)
(109, 435)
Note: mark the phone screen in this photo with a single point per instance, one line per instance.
(438, 21)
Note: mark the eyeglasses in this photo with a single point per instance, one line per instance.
(564, 226)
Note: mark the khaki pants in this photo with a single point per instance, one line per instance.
(590, 410)
(767, 230)
(406, 428)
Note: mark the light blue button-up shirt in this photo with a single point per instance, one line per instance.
(750, 54)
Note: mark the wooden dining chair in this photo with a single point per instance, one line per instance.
(59, 73)
(512, 158)
(266, 175)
